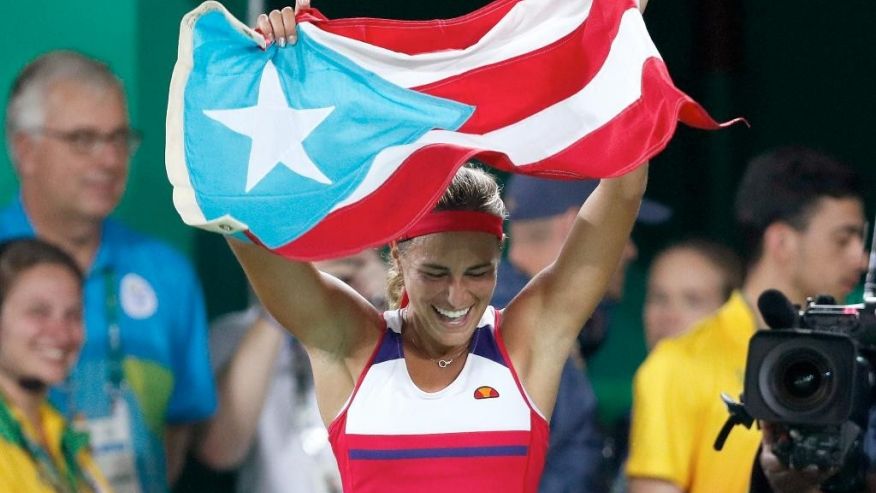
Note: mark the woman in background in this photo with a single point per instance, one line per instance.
(41, 333)
(687, 281)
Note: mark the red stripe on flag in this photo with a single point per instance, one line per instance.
(391, 209)
(416, 37)
(635, 135)
(506, 92)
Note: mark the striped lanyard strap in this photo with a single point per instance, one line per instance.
(115, 370)
(72, 479)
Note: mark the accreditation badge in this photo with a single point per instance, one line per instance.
(113, 448)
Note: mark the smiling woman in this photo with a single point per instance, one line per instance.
(444, 390)
(444, 282)
(40, 337)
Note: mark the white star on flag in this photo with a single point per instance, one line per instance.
(277, 131)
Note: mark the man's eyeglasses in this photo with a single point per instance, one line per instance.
(87, 141)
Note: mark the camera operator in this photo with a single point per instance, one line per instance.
(801, 215)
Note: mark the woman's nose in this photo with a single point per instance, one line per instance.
(458, 294)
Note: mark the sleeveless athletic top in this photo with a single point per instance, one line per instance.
(481, 433)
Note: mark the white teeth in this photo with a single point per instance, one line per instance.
(453, 313)
(55, 354)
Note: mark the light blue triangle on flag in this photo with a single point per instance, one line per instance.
(367, 114)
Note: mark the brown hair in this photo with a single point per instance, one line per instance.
(472, 189)
(722, 257)
(787, 185)
(22, 254)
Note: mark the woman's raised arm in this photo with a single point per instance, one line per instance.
(541, 324)
(325, 314)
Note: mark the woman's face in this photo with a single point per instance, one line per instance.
(449, 279)
(41, 325)
(683, 287)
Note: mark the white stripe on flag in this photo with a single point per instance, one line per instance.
(528, 26)
(617, 85)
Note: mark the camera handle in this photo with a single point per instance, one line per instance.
(738, 416)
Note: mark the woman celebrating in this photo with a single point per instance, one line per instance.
(446, 393)
(40, 337)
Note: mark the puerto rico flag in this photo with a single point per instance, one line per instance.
(344, 140)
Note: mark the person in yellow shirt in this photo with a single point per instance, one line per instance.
(802, 216)
(687, 281)
(40, 337)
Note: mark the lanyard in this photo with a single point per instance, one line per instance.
(115, 372)
(73, 478)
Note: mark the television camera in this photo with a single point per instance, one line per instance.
(811, 376)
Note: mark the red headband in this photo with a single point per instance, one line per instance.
(444, 221)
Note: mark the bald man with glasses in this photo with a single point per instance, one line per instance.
(143, 377)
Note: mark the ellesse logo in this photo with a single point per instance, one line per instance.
(485, 392)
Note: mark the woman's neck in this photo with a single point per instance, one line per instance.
(427, 348)
(431, 371)
(28, 402)
(441, 358)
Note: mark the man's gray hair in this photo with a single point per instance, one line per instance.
(26, 107)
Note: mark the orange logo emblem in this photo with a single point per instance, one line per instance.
(485, 392)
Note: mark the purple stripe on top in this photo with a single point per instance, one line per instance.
(390, 347)
(433, 453)
(484, 344)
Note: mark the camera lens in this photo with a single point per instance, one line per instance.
(802, 379)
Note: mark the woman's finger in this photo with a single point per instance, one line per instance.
(288, 17)
(263, 24)
(279, 28)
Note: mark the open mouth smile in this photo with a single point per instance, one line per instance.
(452, 315)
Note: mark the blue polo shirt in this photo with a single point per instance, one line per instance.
(165, 370)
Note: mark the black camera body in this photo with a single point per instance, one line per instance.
(813, 380)
(816, 374)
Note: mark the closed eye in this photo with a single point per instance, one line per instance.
(434, 274)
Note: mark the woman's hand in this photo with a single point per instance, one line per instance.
(279, 25)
